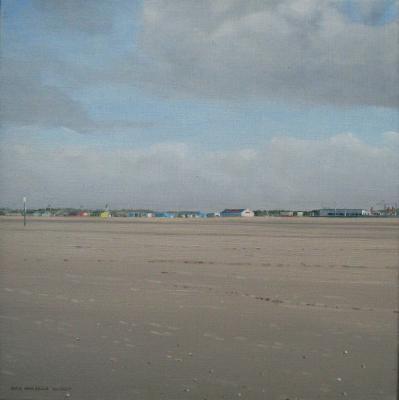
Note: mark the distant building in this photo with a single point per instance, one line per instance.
(40, 213)
(213, 214)
(286, 213)
(140, 214)
(342, 212)
(192, 214)
(165, 215)
(237, 212)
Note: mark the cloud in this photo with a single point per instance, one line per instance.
(27, 100)
(299, 51)
(391, 138)
(285, 172)
(293, 50)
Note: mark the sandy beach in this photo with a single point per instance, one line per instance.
(257, 308)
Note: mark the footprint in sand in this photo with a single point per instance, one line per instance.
(157, 325)
(213, 336)
(166, 333)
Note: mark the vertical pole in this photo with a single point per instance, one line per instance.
(24, 211)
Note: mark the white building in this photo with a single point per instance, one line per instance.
(343, 212)
(237, 212)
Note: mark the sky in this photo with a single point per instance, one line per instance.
(210, 104)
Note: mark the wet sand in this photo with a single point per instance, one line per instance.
(261, 308)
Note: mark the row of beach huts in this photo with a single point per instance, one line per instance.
(229, 212)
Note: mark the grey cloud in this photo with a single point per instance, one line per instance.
(306, 51)
(285, 172)
(25, 100)
(290, 50)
